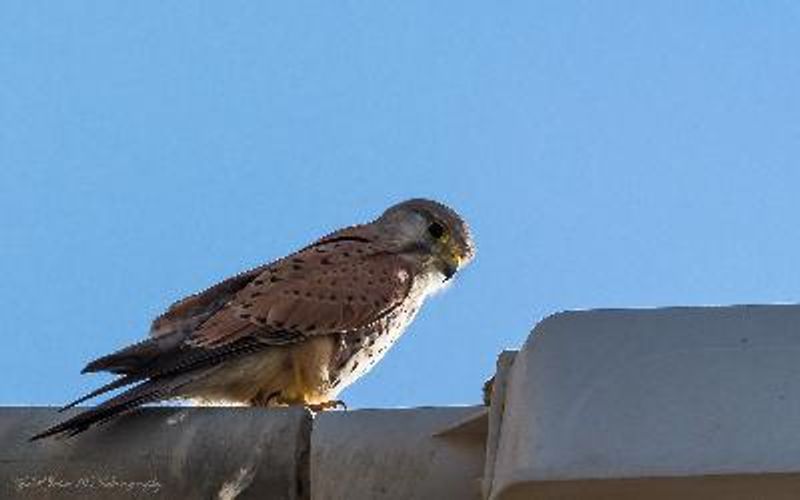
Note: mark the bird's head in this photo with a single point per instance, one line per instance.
(431, 234)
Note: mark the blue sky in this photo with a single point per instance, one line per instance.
(606, 154)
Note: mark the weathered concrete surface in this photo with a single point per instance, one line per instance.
(727, 487)
(669, 403)
(495, 417)
(413, 454)
(166, 453)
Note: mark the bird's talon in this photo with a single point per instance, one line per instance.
(328, 405)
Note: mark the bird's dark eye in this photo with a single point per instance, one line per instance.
(436, 230)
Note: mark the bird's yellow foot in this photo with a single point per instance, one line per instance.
(328, 405)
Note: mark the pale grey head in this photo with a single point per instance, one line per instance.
(431, 233)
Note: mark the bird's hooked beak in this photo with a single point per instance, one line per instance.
(452, 259)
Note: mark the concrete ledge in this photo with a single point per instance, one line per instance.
(166, 453)
(636, 403)
(227, 453)
(690, 403)
(727, 487)
(421, 453)
(495, 416)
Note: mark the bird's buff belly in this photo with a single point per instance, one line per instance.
(285, 375)
(308, 373)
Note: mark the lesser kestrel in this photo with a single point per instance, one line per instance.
(296, 331)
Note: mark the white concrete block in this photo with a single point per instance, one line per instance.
(409, 454)
(505, 361)
(666, 403)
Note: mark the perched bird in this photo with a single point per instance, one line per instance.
(293, 332)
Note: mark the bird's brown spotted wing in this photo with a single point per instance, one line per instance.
(336, 285)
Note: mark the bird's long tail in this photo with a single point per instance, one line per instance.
(158, 377)
(146, 392)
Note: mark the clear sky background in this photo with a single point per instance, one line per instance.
(606, 154)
